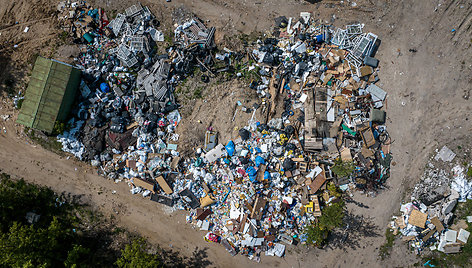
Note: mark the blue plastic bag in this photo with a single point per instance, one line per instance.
(259, 160)
(251, 172)
(104, 87)
(267, 175)
(230, 148)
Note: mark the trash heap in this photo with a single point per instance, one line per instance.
(323, 122)
(126, 92)
(427, 221)
(327, 80)
(258, 193)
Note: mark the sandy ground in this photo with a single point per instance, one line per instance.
(428, 106)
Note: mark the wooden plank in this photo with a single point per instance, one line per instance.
(258, 208)
(164, 185)
(367, 136)
(260, 172)
(437, 223)
(417, 218)
(316, 207)
(318, 182)
(274, 94)
(202, 214)
(143, 184)
(430, 233)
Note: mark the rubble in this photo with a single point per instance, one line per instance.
(257, 193)
(445, 154)
(426, 221)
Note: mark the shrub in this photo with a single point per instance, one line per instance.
(343, 168)
(136, 255)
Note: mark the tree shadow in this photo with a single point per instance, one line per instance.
(12, 74)
(199, 258)
(8, 81)
(359, 204)
(356, 228)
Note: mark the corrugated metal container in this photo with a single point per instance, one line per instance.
(50, 94)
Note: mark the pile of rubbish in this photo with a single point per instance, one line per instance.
(427, 221)
(327, 81)
(127, 91)
(255, 194)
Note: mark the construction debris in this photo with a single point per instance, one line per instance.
(427, 221)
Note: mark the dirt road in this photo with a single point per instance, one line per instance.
(426, 69)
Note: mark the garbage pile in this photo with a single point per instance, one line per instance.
(126, 93)
(427, 221)
(328, 81)
(255, 194)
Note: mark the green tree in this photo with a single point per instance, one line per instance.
(18, 197)
(77, 257)
(332, 216)
(316, 235)
(136, 255)
(49, 242)
(27, 246)
(333, 190)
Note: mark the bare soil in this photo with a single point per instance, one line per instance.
(428, 106)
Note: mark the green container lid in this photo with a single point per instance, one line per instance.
(88, 37)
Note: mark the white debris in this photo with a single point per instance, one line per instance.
(69, 140)
(463, 236)
(445, 154)
(460, 184)
(135, 190)
(451, 236)
(277, 250)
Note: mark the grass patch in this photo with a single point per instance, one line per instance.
(386, 248)
(246, 75)
(19, 104)
(198, 93)
(59, 128)
(249, 38)
(463, 210)
(169, 37)
(47, 142)
(63, 36)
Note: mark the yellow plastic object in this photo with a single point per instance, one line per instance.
(283, 139)
(309, 208)
(206, 201)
